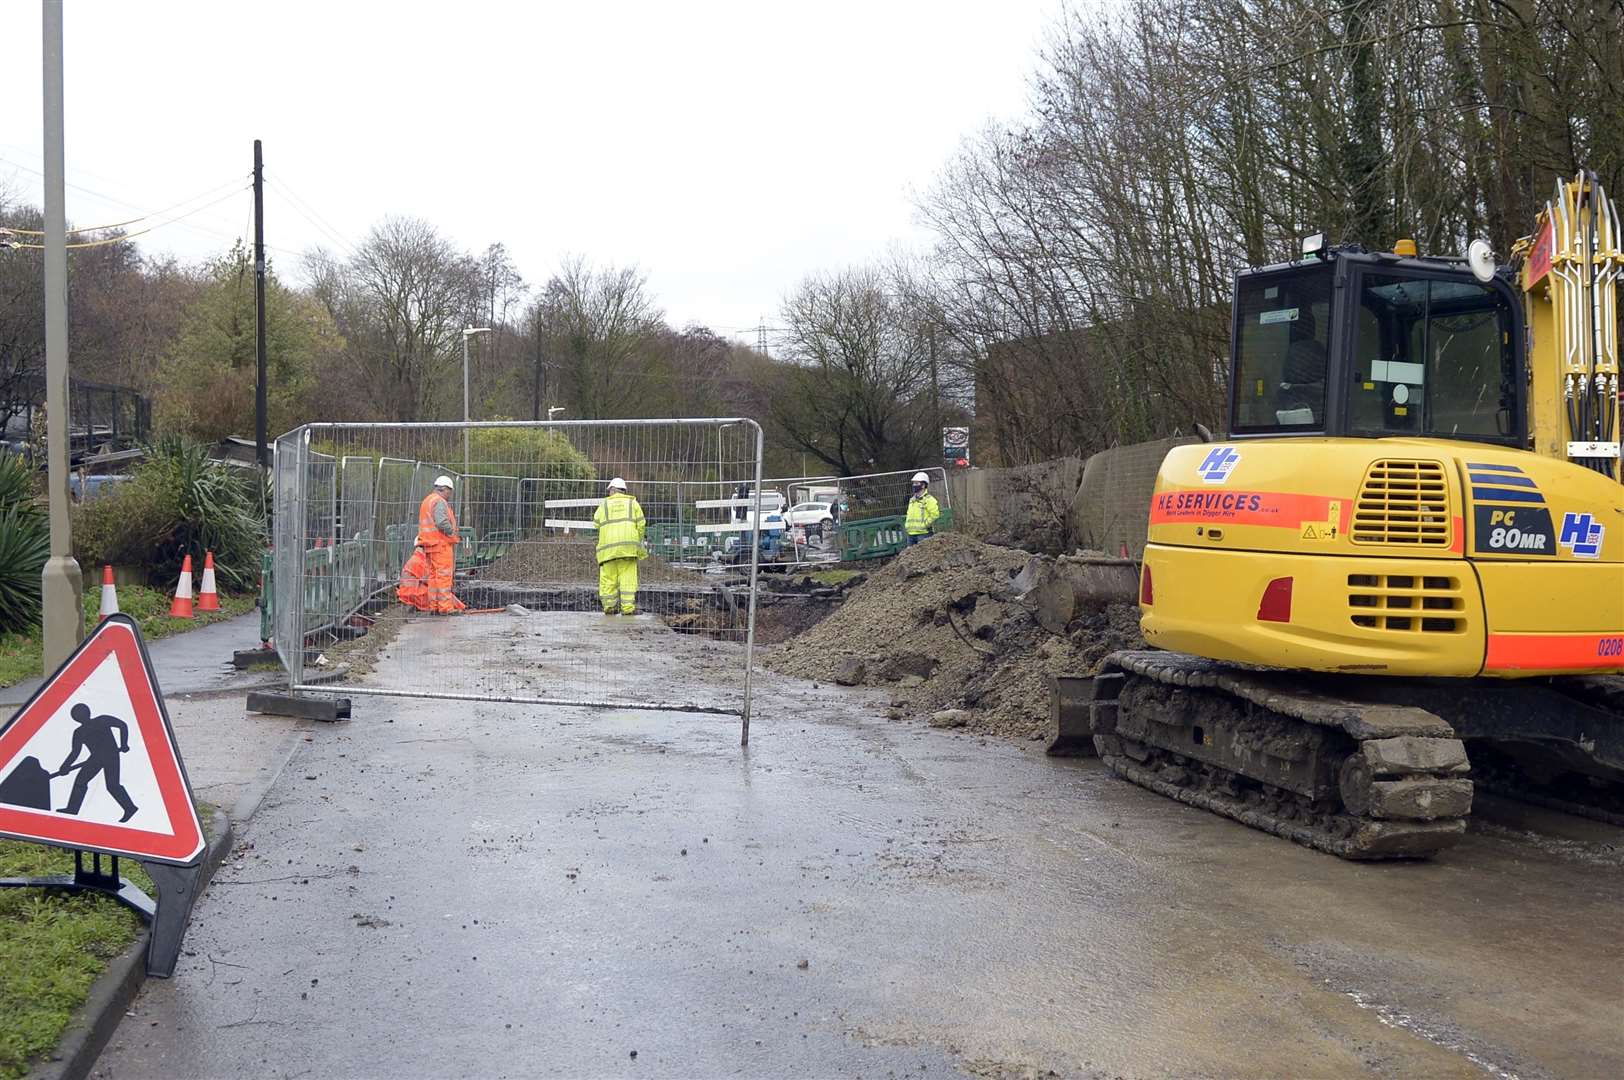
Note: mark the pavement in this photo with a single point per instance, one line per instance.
(471, 889)
(191, 662)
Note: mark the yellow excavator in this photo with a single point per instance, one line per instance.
(1401, 575)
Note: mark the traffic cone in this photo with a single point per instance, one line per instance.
(208, 599)
(181, 607)
(109, 601)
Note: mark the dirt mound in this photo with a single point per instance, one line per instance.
(951, 627)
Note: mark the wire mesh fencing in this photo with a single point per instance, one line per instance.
(505, 567)
(825, 519)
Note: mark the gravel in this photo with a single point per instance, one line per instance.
(943, 628)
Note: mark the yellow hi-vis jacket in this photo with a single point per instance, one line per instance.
(922, 514)
(621, 526)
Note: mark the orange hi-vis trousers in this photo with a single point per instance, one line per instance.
(426, 580)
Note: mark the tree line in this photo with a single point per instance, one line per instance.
(1086, 250)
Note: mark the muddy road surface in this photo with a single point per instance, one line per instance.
(450, 889)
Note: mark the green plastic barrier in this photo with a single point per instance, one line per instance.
(267, 618)
(495, 545)
(399, 540)
(672, 541)
(872, 538)
(876, 538)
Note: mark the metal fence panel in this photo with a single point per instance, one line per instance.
(357, 509)
(287, 546)
(528, 622)
(865, 515)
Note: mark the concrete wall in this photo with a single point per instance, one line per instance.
(1111, 508)
(1059, 506)
(1025, 506)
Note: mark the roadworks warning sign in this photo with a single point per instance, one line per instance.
(90, 762)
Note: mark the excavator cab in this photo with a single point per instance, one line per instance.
(1354, 343)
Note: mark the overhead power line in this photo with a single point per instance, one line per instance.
(139, 232)
(301, 206)
(234, 184)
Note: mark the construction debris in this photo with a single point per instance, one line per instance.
(965, 635)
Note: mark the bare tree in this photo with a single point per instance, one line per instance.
(597, 325)
(401, 302)
(856, 394)
(1086, 252)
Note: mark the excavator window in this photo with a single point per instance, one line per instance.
(1431, 356)
(1282, 334)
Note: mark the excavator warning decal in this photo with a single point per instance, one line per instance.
(1323, 532)
(1278, 509)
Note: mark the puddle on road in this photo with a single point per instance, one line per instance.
(1394, 1017)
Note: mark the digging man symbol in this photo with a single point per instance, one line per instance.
(94, 736)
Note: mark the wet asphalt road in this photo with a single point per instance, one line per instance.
(442, 889)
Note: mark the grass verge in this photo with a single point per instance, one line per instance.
(833, 578)
(53, 946)
(20, 653)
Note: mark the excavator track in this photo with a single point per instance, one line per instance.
(1360, 780)
(1600, 698)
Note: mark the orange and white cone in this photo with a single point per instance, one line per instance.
(208, 599)
(181, 606)
(109, 601)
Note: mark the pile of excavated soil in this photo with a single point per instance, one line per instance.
(947, 629)
(778, 619)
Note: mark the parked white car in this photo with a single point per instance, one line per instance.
(814, 517)
(772, 506)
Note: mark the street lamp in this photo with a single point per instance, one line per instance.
(553, 409)
(466, 334)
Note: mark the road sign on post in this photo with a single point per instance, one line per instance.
(956, 445)
(90, 764)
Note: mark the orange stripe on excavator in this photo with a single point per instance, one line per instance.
(1555, 652)
(1221, 506)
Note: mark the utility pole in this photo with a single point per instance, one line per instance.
(262, 453)
(535, 409)
(61, 585)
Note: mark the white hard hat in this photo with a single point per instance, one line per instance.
(920, 478)
(617, 484)
(442, 481)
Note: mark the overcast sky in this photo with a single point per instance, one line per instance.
(728, 149)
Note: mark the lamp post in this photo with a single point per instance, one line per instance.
(551, 409)
(466, 334)
(61, 586)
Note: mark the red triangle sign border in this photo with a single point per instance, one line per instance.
(116, 636)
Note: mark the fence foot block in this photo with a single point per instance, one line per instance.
(243, 659)
(303, 706)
